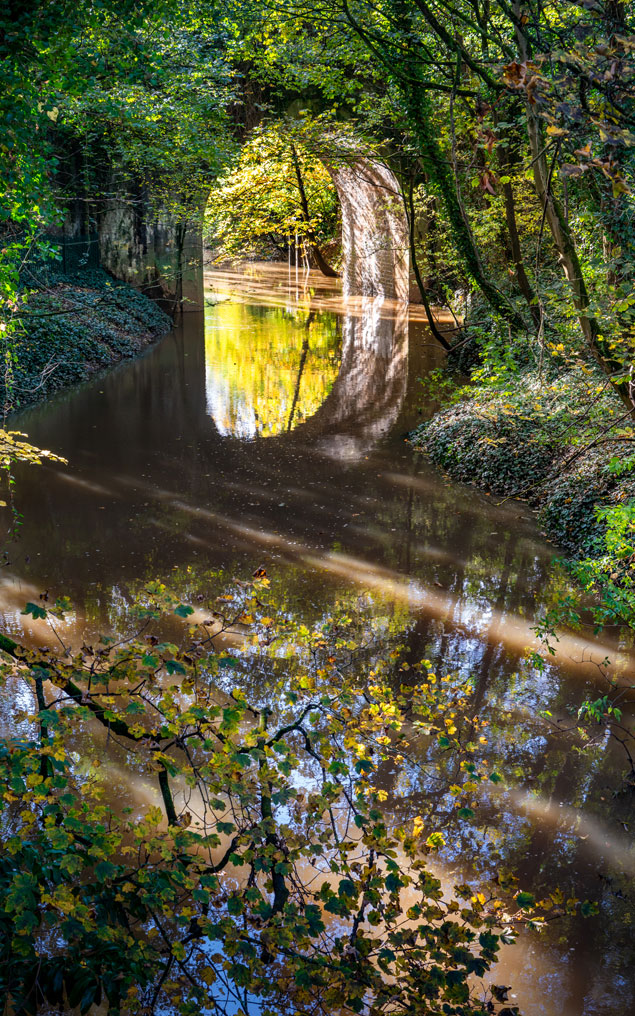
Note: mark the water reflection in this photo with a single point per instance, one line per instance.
(267, 370)
(340, 379)
(370, 389)
(201, 455)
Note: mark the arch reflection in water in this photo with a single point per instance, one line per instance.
(337, 381)
(371, 386)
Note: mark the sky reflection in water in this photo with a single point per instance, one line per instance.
(270, 429)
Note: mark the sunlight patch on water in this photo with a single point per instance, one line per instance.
(598, 840)
(576, 653)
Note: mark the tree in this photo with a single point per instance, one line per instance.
(279, 193)
(482, 58)
(123, 98)
(268, 874)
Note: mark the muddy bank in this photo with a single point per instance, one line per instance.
(73, 326)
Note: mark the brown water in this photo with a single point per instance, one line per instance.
(270, 430)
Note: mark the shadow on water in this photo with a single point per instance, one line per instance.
(270, 429)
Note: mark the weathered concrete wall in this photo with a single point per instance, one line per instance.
(131, 234)
(374, 231)
(152, 249)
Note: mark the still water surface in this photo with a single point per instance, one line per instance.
(270, 430)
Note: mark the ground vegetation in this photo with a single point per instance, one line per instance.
(265, 875)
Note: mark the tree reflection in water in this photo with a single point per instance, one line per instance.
(339, 380)
(337, 502)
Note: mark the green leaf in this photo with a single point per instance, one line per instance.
(524, 900)
(174, 667)
(35, 610)
(230, 662)
(105, 869)
(235, 905)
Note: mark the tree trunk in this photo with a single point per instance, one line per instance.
(410, 215)
(524, 285)
(318, 256)
(565, 244)
(436, 166)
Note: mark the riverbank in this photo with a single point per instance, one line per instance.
(164, 484)
(75, 325)
(559, 441)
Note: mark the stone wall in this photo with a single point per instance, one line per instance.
(147, 246)
(134, 237)
(153, 250)
(374, 231)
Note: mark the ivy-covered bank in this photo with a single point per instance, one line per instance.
(72, 326)
(561, 443)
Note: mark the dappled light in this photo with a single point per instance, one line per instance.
(327, 505)
(317, 575)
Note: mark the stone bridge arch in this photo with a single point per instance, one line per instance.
(369, 390)
(140, 243)
(375, 242)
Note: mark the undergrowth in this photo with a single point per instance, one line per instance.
(559, 440)
(72, 325)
